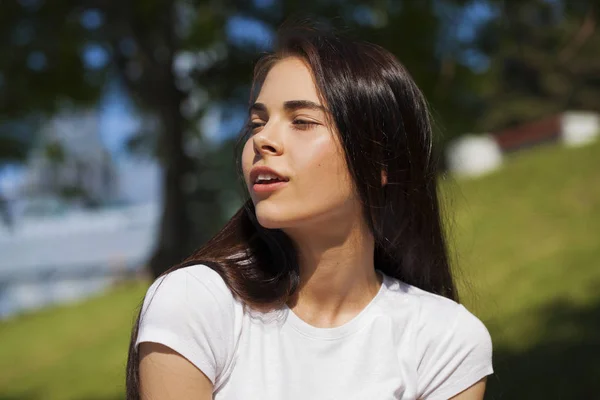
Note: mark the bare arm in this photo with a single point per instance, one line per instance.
(165, 374)
(474, 392)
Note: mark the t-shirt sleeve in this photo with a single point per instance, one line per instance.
(456, 352)
(192, 311)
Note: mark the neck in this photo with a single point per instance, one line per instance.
(337, 273)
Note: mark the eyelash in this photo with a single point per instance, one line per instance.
(299, 124)
(303, 125)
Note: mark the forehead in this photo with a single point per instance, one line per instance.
(288, 79)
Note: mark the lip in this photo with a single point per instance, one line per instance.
(266, 187)
(256, 171)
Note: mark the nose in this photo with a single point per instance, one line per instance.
(265, 144)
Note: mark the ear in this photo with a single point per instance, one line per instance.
(383, 178)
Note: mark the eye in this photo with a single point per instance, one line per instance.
(303, 124)
(253, 125)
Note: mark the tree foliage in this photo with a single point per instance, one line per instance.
(178, 59)
(543, 60)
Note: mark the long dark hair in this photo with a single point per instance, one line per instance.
(384, 124)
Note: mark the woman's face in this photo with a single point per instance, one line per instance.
(291, 135)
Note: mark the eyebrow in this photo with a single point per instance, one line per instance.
(291, 105)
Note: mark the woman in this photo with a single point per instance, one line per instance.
(333, 281)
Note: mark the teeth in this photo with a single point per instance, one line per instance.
(266, 177)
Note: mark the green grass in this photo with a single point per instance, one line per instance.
(528, 244)
(70, 352)
(528, 239)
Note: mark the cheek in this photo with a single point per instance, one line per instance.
(247, 159)
(324, 169)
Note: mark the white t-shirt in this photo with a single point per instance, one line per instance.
(406, 344)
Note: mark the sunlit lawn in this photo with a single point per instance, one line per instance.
(528, 242)
(528, 237)
(69, 352)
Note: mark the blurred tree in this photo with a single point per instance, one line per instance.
(62, 52)
(179, 59)
(543, 60)
(163, 52)
(12, 149)
(55, 154)
(425, 35)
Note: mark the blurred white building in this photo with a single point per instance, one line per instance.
(58, 249)
(70, 158)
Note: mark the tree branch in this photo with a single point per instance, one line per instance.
(583, 34)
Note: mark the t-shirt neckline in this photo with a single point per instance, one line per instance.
(337, 332)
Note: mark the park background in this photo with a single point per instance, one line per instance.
(117, 124)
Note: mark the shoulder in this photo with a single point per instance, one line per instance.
(438, 313)
(436, 320)
(447, 322)
(192, 311)
(453, 346)
(187, 301)
(190, 285)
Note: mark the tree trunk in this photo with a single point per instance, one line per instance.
(173, 234)
(174, 231)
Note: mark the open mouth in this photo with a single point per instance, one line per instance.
(265, 179)
(268, 183)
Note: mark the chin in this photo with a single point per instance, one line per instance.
(269, 218)
(269, 222)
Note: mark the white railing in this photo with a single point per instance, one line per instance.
(49, 260)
